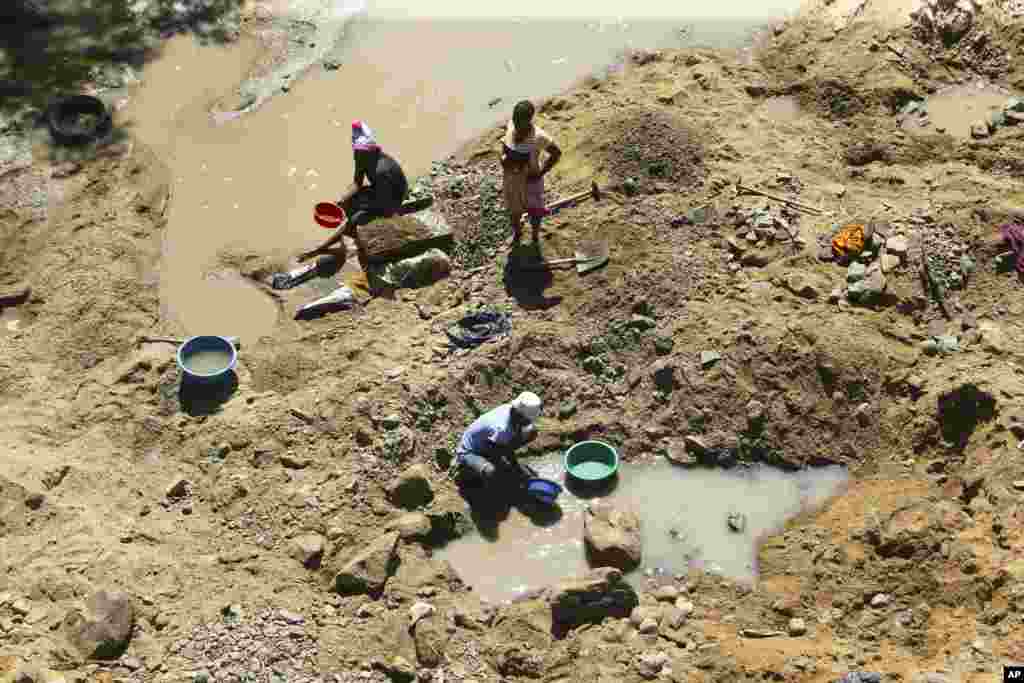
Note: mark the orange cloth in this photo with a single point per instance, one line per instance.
(849, 241)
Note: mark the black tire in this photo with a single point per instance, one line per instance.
(78, 120)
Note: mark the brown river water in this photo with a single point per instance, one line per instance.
(423, 86)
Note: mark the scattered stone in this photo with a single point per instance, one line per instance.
(293, 462)
(308, 549)
(389, 422)
(430, 638)
(755, 412)
(787, 606)
(856, 272)
(34, 501)
(102, 630)
(650, 664)
(897, 245)
(836, 189)
(331, 65)
(760, 633)
(592, 597)
(179, 489)
(863, 414)
(412, 488)
(648, 626)
(65, 169)
(685, 606)
(802, 286)
(979, 130)
(880, 600)
(797, 627)
(673, 618)
(667, 594)
(890, 262)
(132, 663)
(419, 611)
(756, 89)
(411, 525)
(612, 536)
(292, 618)
(399, 670)
(835, 295)
(737, 522)
(368, 571)
(516, 660)
(709, 358)
(1019, 484)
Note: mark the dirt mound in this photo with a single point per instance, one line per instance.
(651, 145)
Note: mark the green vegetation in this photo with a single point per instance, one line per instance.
(53, 47)
(477, 246)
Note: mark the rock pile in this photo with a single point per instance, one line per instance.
(274, 645)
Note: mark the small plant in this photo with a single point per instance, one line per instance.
(429, 410)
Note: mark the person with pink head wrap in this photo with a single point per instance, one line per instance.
(378, 189)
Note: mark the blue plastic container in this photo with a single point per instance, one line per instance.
(543, 490)
(195, 345)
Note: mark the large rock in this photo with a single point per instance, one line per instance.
(598, 594)
(412, 488)
(308, 549)
(368, 571)
(430, 637)
(389, 239)
(102, 630)
(612, 536)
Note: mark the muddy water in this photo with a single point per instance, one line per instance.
(683, 514)
(206, 362)
(955, 109)
(250, 183)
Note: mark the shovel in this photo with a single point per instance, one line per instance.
(235, 341)
(588, 257)
(594, 192)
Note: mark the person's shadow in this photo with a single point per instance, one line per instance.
(525, 281)
(490, 504)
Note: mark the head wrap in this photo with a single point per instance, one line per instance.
(362, 137)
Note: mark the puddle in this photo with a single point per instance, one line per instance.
(13, 320)
(683, 515)
(783, 108)
(956, 108)
(423, 86)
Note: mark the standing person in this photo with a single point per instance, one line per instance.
(523, 173)
(381, 197)
(490, 441)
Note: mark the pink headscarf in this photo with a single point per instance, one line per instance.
(362, 137)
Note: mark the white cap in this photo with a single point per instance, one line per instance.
(528, 405)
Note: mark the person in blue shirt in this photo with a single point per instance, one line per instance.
(489, 443)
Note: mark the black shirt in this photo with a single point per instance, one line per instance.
(385, 177)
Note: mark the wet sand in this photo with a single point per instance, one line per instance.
(251, 182)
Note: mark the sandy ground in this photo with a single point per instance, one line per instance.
(98, 429)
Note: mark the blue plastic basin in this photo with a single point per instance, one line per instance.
(544, 490)
(195, 345)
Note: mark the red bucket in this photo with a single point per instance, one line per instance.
(328, 215)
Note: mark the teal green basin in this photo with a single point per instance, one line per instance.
(591, 461)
